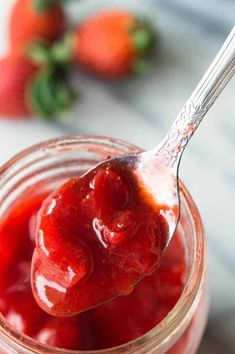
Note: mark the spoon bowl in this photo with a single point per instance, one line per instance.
(156, 181)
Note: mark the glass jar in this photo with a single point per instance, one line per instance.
(49, 164)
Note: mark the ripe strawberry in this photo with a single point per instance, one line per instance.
(16, 74)
(35, 19)
(26, 88)
(113, 44)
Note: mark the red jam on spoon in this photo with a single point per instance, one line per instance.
(96, 237)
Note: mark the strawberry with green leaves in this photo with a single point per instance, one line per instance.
(33, 20)
(113, 44)
(34, 76)
(27, 88)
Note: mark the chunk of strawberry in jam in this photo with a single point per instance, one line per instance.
(14, 229)
(13, 238)
(8, 251)
(96, 238)
(17, 303)
(110, 193)
(61, 332)
(128, 317)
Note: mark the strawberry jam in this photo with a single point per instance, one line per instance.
(96, 237)
(116, 322)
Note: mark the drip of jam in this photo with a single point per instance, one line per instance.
(96, 237)
(114, 323)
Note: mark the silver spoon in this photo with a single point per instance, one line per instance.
(156, 170)
(155, 174)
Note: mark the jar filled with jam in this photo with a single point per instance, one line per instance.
(165, 313)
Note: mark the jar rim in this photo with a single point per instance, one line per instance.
(161, 332)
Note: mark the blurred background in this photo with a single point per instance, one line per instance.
(140, 110)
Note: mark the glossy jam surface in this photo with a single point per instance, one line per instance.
(96, 237)
(116, 322)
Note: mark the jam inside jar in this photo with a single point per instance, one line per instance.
(167, 311)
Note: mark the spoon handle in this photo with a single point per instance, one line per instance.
(213, 82)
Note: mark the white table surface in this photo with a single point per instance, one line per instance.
(141, 110)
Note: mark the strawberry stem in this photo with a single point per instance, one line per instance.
(50, 93)
(62, 51)
(41, 6)
(140, 67)
(39, 53)
(143, 37)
